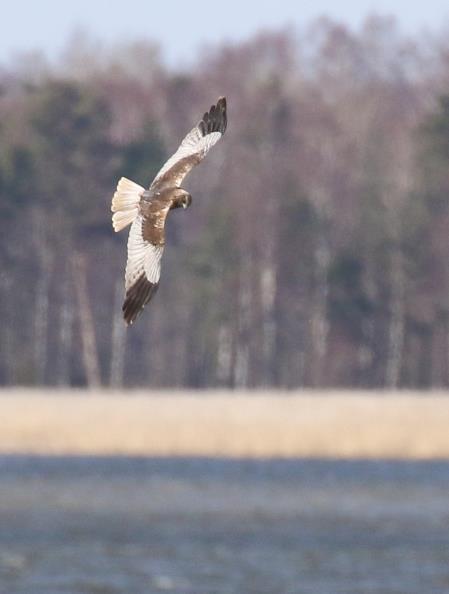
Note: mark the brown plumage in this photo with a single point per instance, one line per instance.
(147, 210)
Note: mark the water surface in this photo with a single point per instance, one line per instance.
(192, 526)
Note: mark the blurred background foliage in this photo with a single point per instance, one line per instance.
(316, 249)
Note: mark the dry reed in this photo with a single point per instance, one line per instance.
(256, 424)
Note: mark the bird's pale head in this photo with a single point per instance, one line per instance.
(187, 200)
(181, 198)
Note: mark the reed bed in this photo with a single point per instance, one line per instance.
(226, 424)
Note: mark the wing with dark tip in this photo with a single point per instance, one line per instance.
(194, 147)
(137, 297)
(143, 267)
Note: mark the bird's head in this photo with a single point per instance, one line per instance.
(182, 198)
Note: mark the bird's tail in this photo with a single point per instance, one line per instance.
(125, 203)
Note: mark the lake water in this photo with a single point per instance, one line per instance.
(189, 526)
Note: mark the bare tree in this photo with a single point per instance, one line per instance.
(41, 304)
(86, 321)
(118, 340)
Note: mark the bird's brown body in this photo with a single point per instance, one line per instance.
(154, 208)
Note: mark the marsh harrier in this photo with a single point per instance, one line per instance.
(147, 210)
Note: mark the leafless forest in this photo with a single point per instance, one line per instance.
(316, 250)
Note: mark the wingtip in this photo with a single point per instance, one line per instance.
(137, 296)
(222, 104)
(214, 120)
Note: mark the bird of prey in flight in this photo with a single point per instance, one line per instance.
(147, 210)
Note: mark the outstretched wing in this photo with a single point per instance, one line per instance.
(143, 268)
(194, 147)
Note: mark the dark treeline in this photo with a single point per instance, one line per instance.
(316, 251)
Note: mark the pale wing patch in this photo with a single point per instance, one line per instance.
(143, 256)
(193, 144)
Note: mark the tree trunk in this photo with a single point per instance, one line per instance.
(241, 368)
(7, 346)
(397, 321)
(66, 315)
(88, 339)
(40, 339)
(319, 321)
(224, 355)
(118, 340)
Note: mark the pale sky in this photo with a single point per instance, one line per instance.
(182, 27)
